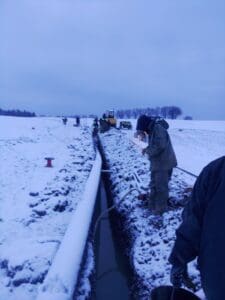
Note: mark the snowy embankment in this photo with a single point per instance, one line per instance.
(151, 239)
(37, 203)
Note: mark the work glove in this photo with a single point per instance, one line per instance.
(178, 275)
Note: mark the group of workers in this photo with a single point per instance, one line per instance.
(201, 234)
(77, 118)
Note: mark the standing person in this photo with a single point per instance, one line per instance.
(65, 120)
(162, 161)
(202, 233)
(95, 127)
(77, 121)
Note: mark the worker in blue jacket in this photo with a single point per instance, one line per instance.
(202, 233)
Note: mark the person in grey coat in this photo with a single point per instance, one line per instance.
(202, 234)
(162, 161)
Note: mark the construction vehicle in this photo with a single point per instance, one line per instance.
(109, 116)
(107, 121)
(125, 125)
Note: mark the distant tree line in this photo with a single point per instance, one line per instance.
(16, 113)
(167, 112)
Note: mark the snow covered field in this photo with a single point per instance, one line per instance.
(151, 240)
(197, 142)
(36, 203)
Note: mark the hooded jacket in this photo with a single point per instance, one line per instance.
(202, 232)
(160, 150)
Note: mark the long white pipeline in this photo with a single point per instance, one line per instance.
(62, 276)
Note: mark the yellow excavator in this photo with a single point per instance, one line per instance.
(107, 121)
(109, 116)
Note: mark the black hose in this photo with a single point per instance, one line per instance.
(109, 209)
(187, 172)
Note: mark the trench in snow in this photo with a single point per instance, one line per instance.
(112, 270)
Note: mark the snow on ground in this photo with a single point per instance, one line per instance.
(196, 143)
(198, 125)
(68, 261)
(151, 238)
(36, 203)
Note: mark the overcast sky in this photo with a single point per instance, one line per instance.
(73, 56)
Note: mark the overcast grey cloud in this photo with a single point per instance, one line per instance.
(67, 56)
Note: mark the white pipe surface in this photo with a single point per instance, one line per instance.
(62, 276)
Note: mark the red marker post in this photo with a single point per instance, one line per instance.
(49, 162)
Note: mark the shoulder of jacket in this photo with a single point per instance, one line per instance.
(215, 166)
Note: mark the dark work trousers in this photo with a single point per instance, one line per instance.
(159, 193)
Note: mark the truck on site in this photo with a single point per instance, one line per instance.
(125, 125)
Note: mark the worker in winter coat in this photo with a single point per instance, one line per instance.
(64, 120)
(162, 161)
(77, 121)
(202, 232)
